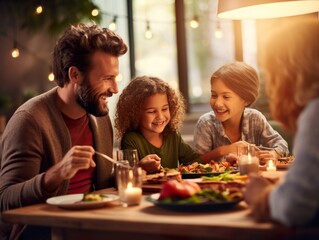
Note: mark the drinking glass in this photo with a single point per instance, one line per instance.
(129, 155)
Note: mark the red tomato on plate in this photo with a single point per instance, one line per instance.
(183, 189)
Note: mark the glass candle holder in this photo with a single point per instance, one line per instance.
(129, 184)
(248, 161)
(271, 165)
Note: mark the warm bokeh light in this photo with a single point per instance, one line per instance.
(39, 9)
(194, 22)
(119, 78)
(15, 53)
(218, 33)
(248, 9)
(112, 25)
(148, 34)
(51, 77)
(197, 91)
(95, 12)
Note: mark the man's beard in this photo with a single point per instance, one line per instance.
(91, 101)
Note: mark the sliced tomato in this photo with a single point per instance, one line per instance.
(174, 188)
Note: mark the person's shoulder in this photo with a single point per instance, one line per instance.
(313, 104)
(253, 113)
(132, 135)
(40, 104)
(209, 116)
(310, 112)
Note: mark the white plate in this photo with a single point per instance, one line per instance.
(73, 201)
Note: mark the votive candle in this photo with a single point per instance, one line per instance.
(271, 166)
(132, 195)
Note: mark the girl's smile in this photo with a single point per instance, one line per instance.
(226, 104)
(155, 114)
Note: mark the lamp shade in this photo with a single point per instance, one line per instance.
(261, 9)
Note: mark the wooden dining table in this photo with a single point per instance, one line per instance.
(149, 221)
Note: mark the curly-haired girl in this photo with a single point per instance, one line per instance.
(148, 117)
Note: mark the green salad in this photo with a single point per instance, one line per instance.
(206, 195)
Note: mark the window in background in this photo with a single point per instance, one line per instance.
(249, 48)
(155, 39)
(210, 44)
(115, 15)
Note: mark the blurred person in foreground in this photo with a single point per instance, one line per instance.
(49, 143)
(291, 71)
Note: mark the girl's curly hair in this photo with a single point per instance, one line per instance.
(130, 103)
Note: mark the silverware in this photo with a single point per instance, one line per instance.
(111, 159)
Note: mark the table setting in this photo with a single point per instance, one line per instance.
(208, 207)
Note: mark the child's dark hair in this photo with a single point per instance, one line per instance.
(77, 45)
(129, 106)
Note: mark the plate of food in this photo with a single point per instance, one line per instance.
(188, 196)
(82, 201)
(192, 206)
(162, 176)
(213, 168)
(285, 162)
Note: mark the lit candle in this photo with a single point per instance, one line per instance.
(271, 166)
(132, 195)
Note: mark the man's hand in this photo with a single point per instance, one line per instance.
(77, 158)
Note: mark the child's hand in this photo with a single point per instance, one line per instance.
(151, 163)
(234, 146)
(265, 155)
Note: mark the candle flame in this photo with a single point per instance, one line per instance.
(249, 158)
(129, 185)
(270, 163)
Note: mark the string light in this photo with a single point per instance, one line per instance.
(15, 53)
(119, 77)
(39, 9)
(194, 22)
(51, 77)
(113, 25)
(148, 33)
(218, 31)
(95, 12)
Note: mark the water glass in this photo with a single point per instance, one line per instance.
(129, 155)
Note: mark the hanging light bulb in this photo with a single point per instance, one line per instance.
(112, 25)
(15, 53)
(218, 31)
(119, 77)
(95, 12)
(148, 33)
(51, 77)
(264, 9)
(194, 22)
(39, 9)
